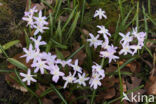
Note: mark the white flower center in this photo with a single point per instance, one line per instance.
(70, 79)
(29, 77)
(56, 73)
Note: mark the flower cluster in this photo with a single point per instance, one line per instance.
(128, 39)
(46, 62)
(43, 62)
(108, 51)
(39, 22)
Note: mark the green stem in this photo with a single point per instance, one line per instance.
(93, 96)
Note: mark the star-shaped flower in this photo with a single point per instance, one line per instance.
(103, 31)
(95, 80)
(100, 13)
(98, 68)
(38, 41)
(69, 79)
(125, 38)
(76, 67)
(40, 65)
(31, 53)
(82, 79)
(126, 49)
(94, 40)
(28, 77)
(56, 74)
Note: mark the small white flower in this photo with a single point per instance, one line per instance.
(76, 67)
(140, 36)
(126, 49)
(125, 38)
(109, 53)
(31, 11)
(29, 20)
(30, 54)
(40, 65)
(103, 31)
(38, 41)
(39, 28)
(94, 40)
(82, 79)
(100, 13)
(28, 16)
(136, 48)
(41, 20)
(40, 23)
(95, 80)
(56, 74)
(64, 62)
(98, 68)
(50, 59)
(69, 79)
(28, 77)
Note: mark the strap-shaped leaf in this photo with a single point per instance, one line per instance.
(17, 64)
(9, 44)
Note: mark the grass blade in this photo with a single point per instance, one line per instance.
(69, 19)
(9, 44)
(59, 44)
(58, 93)
(73, 54)
(73, 26)
(93, 96)
(17, 63)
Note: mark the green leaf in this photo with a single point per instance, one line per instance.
(57, 8)
(59, 54)
(149, 51)
(46, 92)
(9, 44)
(27, 39)
(59, 45)
(59, 31)
(73, 54)
(5, 71)
(58, 93)
(69, 19)
(17, 64)
(93, 96)
(46, 3)
(73, 26)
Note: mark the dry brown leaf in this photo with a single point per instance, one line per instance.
(105, 95)
(135, 83)
(47, 101)
(40, 89)
(66, 53)
(13, 83)
(133, 66)
(109, 81)
(70, 97)
(63, 18)
(151, 87)
(124, 86)
(85, 32)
